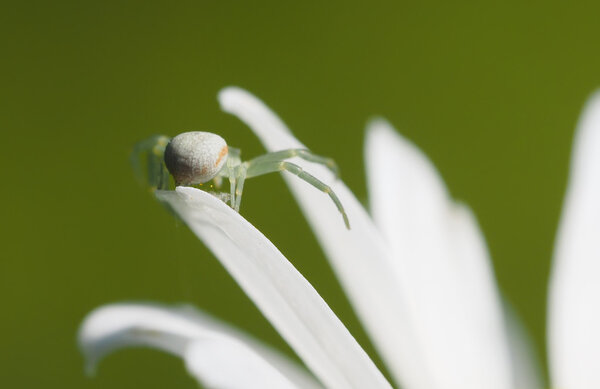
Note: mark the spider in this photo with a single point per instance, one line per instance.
(196, 157)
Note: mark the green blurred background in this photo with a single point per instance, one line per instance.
(490, 92)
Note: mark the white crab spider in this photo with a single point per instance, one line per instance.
(198, 157)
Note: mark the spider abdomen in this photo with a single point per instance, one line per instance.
(195, 157)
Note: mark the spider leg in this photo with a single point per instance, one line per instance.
(218, 181)
(230, 171)
(256, 167)
(232, 185)
(147, 161)
(241, 178)
(305, 154)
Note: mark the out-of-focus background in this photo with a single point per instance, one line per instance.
(490, 92)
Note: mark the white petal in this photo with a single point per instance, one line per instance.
(525, 364)
(360, 257)
(286, 298)
(173, 330)
(443, 264)
(226, 364)
(574, 316)
(290, 369)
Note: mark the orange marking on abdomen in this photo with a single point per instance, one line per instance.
(222, 153)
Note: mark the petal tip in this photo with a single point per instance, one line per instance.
(380, 129)
(377, 122)
(231, 95)
(592, 105)
(87, 336)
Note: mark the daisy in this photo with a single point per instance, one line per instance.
(416, 270)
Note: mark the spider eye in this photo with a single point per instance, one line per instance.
(195, 157)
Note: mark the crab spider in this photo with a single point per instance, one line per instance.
(195, 158)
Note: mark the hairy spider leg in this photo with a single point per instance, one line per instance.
(151, 151)
(256, 168)
(305, 154)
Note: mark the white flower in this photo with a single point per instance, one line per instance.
(417, 273)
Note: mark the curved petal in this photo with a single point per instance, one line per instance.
(360, 257)
(286, 298)
(439, 250)
(574, 304)
(219, 363)
(176, 330)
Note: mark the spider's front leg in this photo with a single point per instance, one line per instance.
(147, 159)
(265, 164)
(305, 154)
